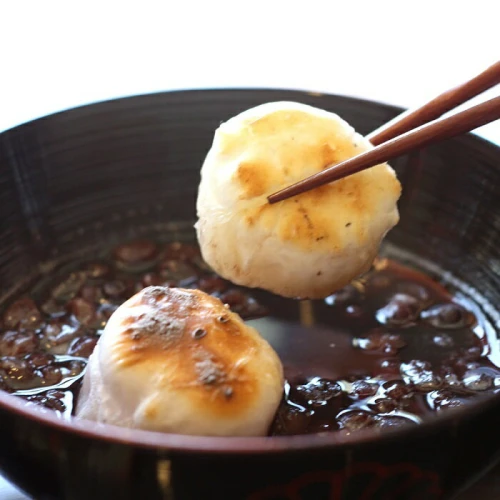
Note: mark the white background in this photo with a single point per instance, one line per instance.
(59, 54)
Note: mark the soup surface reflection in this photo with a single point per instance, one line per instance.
(387, 350)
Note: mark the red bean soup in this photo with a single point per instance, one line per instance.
(390, 349)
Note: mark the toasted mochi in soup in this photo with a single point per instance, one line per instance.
(307, 246)
(178, 361)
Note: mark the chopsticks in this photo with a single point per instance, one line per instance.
(438, 106)
(392, 145)
(435, 131)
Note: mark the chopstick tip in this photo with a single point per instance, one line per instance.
(273, 198)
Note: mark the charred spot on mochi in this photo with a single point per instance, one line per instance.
(318, 273)
(250, 221)
(199, 333)
(165, 316)
(153, 294)
(348, 224)
(134, 334)
(328, 155)
(160, 324)
(253, 178)
(128, 321)
(209, 372)
(304, 213)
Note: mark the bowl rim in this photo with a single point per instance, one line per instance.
(187, 444)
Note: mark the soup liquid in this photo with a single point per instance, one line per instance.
(387, 350)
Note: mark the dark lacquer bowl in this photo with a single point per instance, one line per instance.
(91, 174)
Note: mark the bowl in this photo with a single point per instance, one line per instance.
(89, 176)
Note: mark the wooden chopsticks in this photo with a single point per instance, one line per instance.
(391, 142)
(435, 131)
(438, 106)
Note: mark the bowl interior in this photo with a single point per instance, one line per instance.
(77, 180)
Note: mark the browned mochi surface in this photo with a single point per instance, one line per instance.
(200, 338)
(329, 235)
(300, 221)
(198, 363)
